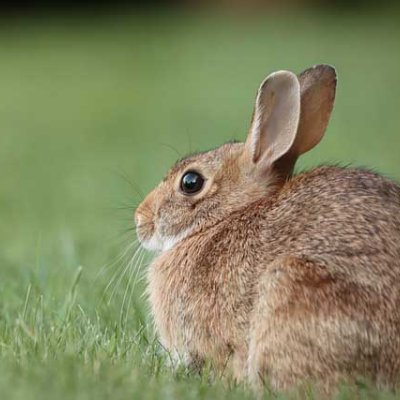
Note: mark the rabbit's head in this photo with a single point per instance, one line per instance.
(290, 117)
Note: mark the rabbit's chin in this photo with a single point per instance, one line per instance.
(160, 244)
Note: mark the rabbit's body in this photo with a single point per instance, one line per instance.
(276, 277)
(292, 285)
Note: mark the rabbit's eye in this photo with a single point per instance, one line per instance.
(192, 182)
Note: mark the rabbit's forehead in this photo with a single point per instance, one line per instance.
(207, 159)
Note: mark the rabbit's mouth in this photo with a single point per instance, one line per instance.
(152, 243)
(148, 236)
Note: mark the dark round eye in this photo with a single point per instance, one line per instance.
(192, 182)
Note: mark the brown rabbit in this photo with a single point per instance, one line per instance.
(277, 277)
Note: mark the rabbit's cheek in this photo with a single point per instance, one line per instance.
(171, 230)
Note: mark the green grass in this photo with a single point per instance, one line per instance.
(86, 103)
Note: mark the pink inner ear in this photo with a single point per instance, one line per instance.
(275, 118)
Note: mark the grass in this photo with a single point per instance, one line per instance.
(91, 104)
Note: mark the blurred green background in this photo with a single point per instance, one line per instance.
(94, 108)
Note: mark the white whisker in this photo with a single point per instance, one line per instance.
(138, 268)
(108, 266)
(122, 275)
(117, 279)
(132, 273)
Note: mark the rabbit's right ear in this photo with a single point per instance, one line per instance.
(275, 119)
(318, 89)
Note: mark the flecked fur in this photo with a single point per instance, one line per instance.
(277, 280)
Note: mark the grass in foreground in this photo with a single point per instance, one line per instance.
(87, 105)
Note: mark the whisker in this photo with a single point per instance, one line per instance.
(145, 224)
(133, 184)
(123, 206)
(133, 288)
(126, 207)
(145, 293)
(118, 273)
(128, 230)
(189, 139)
(108, 266)
(138, 270)
(129, 286)
(119, 233)
(122, 275)
(129, 280)
(174, 149)
(148, 214)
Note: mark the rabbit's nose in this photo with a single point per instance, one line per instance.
(138, 218)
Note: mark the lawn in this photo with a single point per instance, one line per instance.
(93, 111)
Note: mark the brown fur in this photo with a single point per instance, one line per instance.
(279, 280)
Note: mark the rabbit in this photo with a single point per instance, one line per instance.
(274, 277)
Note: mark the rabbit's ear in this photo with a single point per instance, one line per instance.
(318, 87)
(275, 119)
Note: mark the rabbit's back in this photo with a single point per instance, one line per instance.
(348, 217)
(329, 293)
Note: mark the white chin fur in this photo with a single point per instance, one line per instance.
(155, 243)
(152, 244)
